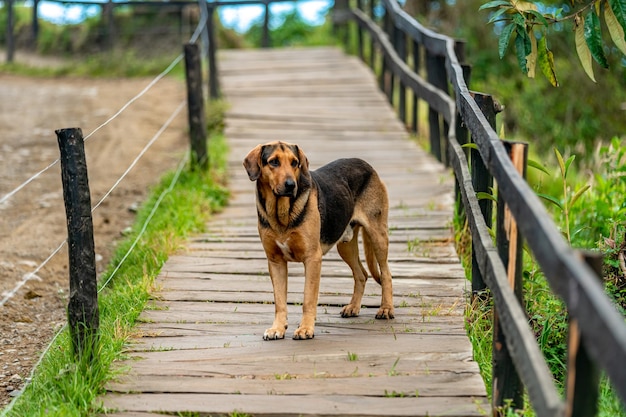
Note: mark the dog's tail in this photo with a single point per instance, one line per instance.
(370, 257)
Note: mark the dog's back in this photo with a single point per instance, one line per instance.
(341, 184)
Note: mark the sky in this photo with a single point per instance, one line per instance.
(239, 18)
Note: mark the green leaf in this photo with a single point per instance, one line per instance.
(522, 49)
(470, 145)
(559, 159)
(551, 199)
(496, 3)
(568, 163)
(546, 62)
(534, 164)
(505, 37)
(497, 14)
(578, 194)
(593, 37)
(615, 29)
(583, 50)
(541, 18)
(485, 196)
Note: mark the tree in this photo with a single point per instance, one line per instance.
(528, 24)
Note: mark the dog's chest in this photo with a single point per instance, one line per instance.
(284, 247)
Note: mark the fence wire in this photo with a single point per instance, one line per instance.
(201, 26)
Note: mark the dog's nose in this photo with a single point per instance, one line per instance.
(290, 185)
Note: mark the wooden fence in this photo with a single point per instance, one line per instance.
(108, 20)
(401, 49)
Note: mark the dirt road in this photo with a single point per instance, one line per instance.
(33, 221)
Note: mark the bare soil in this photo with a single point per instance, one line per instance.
(33, 221)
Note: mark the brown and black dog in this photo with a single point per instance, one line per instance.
(302, 214)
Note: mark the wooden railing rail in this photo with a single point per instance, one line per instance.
(602, 328)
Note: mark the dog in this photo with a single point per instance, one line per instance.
(302, 214)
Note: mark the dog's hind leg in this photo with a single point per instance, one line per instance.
(376, 241)
(349, 252)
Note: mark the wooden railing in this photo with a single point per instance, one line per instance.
(400, 49)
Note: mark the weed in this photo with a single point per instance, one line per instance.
(352, 357)
(392, 371)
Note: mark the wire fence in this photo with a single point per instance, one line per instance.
(9, 295)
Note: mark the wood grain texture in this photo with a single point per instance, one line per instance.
(199, 346)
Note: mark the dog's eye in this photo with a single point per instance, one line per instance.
(294, 163)
(274, 163)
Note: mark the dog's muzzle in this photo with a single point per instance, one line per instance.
(288, 189)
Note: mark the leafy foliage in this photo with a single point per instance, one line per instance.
(530, 28)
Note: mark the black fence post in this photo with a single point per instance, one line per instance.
(400, 45)
(372, 43)
(265, 40)
(482, 182)
(195, 105)
(359, 33)
(507, 385)
(436, 75)
(10, 34)
(83, 317)
(214, 86)
(35, 28)
(416, 68)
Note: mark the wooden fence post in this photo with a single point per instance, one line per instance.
(372, 43)
(107, 10)
(436, 75)
(195, 105)
(507, 388)
(416, 68)
(583, 377)
(35, 28)
(462, 137)
(10, 34)
(482, 182)
(400, 45)
(359, 33)
(214, 86)
(83, 317)
(265, 40)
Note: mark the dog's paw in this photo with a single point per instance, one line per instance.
(385, 313)
(350, 311)
(303, 333)
(274, 334)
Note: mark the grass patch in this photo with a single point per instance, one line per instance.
(64, 386)
(104, 65)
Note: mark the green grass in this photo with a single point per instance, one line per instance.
(105, 64)
(64, 386)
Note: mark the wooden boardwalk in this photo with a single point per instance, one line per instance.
(201, 349)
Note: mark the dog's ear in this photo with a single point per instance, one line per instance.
(252, 163)
(304, 161)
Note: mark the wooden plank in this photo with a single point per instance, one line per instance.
(267, 405)
(200, 348)
(427, 385)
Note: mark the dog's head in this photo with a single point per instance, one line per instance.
(283, 166)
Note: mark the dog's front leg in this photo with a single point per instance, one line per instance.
(278, 273)
(312, 272)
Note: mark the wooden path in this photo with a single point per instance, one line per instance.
(201, 349)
